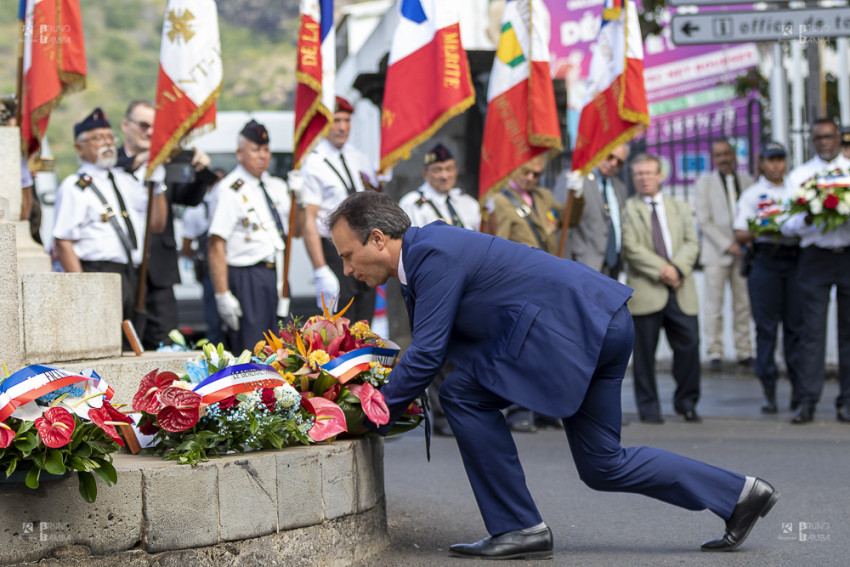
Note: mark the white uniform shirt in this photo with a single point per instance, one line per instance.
(418, 206)
(813, 235)
(760, 196)
(243, 219)
(81, 217)
(326, 179)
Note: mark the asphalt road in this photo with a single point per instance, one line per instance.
(430, 505)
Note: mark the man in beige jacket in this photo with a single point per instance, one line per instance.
(660, 248)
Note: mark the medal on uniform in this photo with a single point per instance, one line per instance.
(245, 222)
(104, 217)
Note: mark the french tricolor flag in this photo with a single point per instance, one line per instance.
(428, 80)
(315, 72)
(615, 108)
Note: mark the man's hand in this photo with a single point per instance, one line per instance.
(200, 160)
(295, 181)
(734, 250)
(327, 284)
(228, 309)
(670, 277)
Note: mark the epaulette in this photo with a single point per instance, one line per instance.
(237, 184)
(84, 180)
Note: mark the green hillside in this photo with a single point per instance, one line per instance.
(258, 39)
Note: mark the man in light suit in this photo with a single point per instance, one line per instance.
(716, 199)
(660, 248)
(523, 327)
(597, 240)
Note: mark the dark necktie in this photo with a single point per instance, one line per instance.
(274, 213)
(130, 232)
(611, 256)
(455, 217)
(352, 189)
(657, 238)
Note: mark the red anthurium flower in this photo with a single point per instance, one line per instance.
(372, 401)
(148, 427)
(413, 409)
(55, 427)
(181, 409)
(7, 434)
(801, 201)
(106, 417)
(330, 420)
(831, 201)
(267, 397)
(165, 379)
(146, 399)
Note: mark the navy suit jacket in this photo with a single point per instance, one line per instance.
(527, 325)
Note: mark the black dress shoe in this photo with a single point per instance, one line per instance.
(843, 413)
(691, 415)
(757, 504)
(522, 422)
(518, 544)
(769, 407)
(805, 414)
(652, 420)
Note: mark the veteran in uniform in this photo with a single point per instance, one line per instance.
(332, 172)
(101, 210)
(525, 213)
(247, 236)
(439, 199)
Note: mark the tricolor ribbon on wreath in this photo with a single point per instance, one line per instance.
(36, 380)
(348, 365)
(238, 379)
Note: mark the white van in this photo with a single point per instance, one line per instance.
(220, 144)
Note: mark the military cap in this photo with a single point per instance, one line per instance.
(343, 105)
(255, 132)
(772, 149)
(97, 119)
(437, 154)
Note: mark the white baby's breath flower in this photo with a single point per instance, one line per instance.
(810, 195)
(815, 206)
(843, 208)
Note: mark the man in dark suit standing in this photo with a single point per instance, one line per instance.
(189, 190)
(597, 240)
(523, 327)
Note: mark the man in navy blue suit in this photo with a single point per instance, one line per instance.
(525, 327)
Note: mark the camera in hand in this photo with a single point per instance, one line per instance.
(179, 169)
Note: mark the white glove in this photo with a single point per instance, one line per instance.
(228, 309)
(295, 181)
(327, 284)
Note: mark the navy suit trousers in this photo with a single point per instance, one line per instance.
(495, 473)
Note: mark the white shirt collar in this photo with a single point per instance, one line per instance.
(402, 276)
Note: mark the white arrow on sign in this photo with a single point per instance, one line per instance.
(765, 25)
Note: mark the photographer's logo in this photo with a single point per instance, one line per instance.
(808, 532)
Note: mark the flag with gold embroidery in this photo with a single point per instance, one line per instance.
(189, 80)
(315, 71)
(428, 80)
(522, 119)
(615, 108)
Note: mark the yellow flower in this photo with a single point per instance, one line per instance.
(360, 330)
(258, 348)
(317, 358)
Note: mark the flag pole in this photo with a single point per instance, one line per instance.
(287, 250)
(22, 16)
(565, 222)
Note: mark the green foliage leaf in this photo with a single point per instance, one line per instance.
(87, 486)
(322, 383)
(54, 463)
(26, 443)
(32, 477)
(106, 471)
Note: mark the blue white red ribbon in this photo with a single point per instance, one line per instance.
(347, 366)
(34, 381)
(237, 379)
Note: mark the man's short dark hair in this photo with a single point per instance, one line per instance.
(134, 103)
(367, 210)
(826, 120)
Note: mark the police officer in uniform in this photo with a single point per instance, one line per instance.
(101, 210)
(773, 280)
(332, 172)
(439, 199)
(246, 240)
